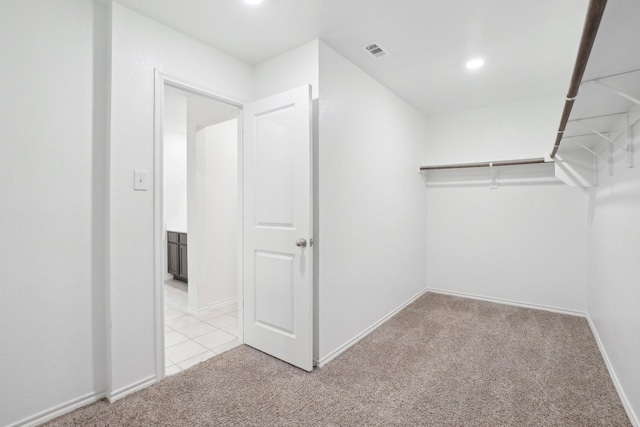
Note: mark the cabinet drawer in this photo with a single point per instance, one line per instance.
(182, 238)
(172, 237)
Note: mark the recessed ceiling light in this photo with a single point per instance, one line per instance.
(475, 63)
(253, 1)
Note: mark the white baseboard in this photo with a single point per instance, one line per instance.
(215, 305)
(633, 418)
(58, 410)
(511, 302)
(337, 352)
(132, 388)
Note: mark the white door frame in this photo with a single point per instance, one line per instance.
(162, 79)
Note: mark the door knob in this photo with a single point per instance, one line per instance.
(301, 243)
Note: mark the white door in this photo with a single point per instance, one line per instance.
(278, 269)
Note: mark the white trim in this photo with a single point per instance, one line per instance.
(178, 83)
(132, 388)
(108, 333)
(633, 418)
(240, 225)
(553, 309)
(337, 352)
(158, 218)
(56, 411)
(216, 304)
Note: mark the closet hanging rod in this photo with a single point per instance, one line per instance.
(592, 22)
(486, 164)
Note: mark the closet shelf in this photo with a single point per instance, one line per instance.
(491, 174)
(599, 126)
(589, 32)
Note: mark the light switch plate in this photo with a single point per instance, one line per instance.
(140, 180)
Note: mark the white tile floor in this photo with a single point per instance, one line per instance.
(193, 338)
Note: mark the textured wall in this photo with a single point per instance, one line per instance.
(370, 202)
(524, 243)
(52, 103)
(614, 268)
(139, 46)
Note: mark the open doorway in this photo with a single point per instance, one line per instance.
(274, 222)
(200, 229)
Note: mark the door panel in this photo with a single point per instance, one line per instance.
(274, 167)
(278, 293)
(275, 291)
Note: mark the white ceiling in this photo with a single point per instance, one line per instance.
(529, 46)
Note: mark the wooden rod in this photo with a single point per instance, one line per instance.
(589, 32)
(485, 164)
(519, 162)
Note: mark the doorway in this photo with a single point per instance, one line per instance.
(199, 227)
(273, 229)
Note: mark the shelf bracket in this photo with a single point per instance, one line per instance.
(629, 142)
(616, 91)
(494, 177)
(423, 174)
(598, 155)
(608, 160)
(598, 116)
(601, 135)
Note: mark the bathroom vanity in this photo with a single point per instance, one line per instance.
(177, 255)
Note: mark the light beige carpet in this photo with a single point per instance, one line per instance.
(442, 361)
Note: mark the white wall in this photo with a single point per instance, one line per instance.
(213, 210)
(369, 225)
(219, 278)
(175, 181)
(139, 46)
(175, 161)
(525, 243)
(196, 202)
(52, 104)
(518, 130)
(614, 269)
(371, 202)
(294, 68)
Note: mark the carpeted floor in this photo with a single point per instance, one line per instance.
(442, 361)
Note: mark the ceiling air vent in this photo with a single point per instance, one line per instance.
(376, 50)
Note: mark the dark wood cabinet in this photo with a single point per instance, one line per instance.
(174, 260)
(177, 255)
